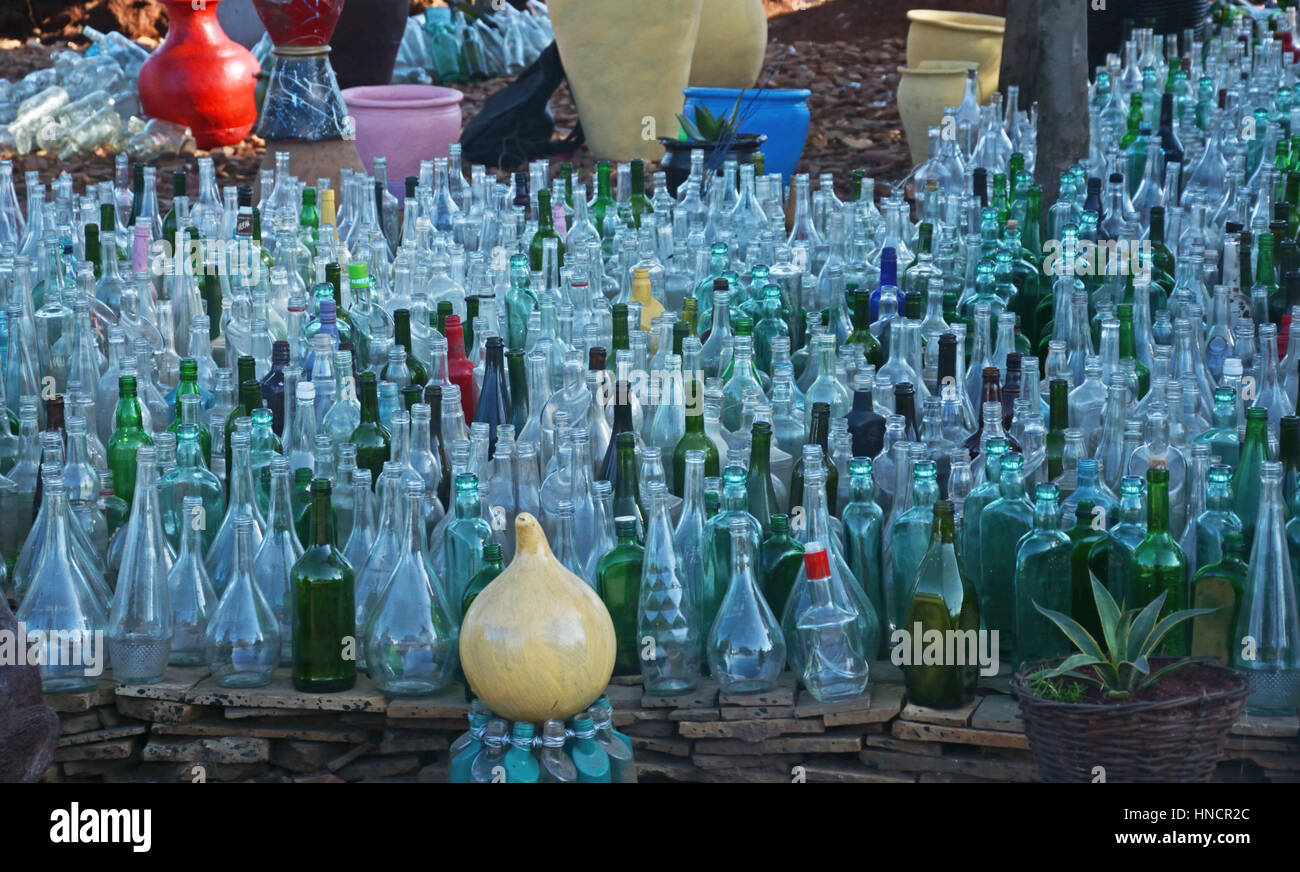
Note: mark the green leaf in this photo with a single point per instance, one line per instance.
(691, 131)
(1123, 635)
(1142, 626)
(1162, 629)
(1108, 611)
(1073, 631)
(1074, 661)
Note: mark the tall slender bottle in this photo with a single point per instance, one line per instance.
(667, 613)
(1002, 524)
(371, 437)
(1159, 565)
(324, 616)
(618, 581)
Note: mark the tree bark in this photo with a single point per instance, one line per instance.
(1045, 52)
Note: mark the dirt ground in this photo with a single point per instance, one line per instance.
(845, 51)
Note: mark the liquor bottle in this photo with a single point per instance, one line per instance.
(1002, 524)
(1042, 579)
(1159, 565)
(1246, 480)
(140, 627)
(780, 556)
(1086, 534)
(1058, 423)
(1269, 613)
(818, 434)
(324, 615)
(758, 484)
(371, 437)
(746, 649)
(1219, 586)
(618, 580)
(128, 436)
(830, 644)
(941, 598)
(493, 406)
(492, 567)
(242, 643)
(694, 438)
(667, 612)
(412, 637)
(545, 230)
(627, 491)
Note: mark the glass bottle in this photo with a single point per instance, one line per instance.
(371, 437)
(60, 603)
(324, 613)
(464, 537)
(242, 644)
(1246, 480)
(492, 567)
(1002, 524)
(190, 477)
(220, 558)
(140, 624)
(746, 649)
(780, 557)
(941, 597)
(374, 566)
(863, 526)
(622, 766)
(911, 538)
(718, 557)
(694, 437)
(494, 398)
(830, 645)
(279, 551)
(1125, 536)
(667, 612)
(555, 763)
(1042, 578)
(129, 434)
(489, 766)
(1269, 614)
(1159, 565)
(1220, 586)
(618, 579)
(189, 590)
(412, 637)
(589, 758)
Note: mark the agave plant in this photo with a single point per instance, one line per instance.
(1131, 638)
(707, 127)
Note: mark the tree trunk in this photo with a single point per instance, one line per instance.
(1045, 52)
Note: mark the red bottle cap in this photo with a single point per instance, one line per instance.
(816, 561)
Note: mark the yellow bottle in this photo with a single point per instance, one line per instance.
(650, 307)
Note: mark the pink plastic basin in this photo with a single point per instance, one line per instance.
(405, 124)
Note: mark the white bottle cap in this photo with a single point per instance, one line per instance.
(306, 391)
(1231, 366)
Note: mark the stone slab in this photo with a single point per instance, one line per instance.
(280, 694)
(729, 763)
(161, 711)
(838, 770)
(959, 764)
(886, 702)
(225, 749)
(103, 735)
(67, 703)
(448, 704)
(695, 714)
(884, 671)
(79, 722)
(661, 744)
(412, 742)
(809, 707)
(624, 696)
(749, 731)
(962, 735)
(782, 694)
(956, 717)
(889, 743)
(118, 749)
(757, 712)
(1282, 725)
(304, 730)
(651, 729)
(654, 766)
(826, 743)
(300, 757)
(623, 681)
(175, 686)
(459, 725)
(379, 767)
(998, 712)
(703, 696)
(359, 751)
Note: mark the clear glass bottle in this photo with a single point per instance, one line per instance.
(242, 643)
(189, 590)
(279, 551)
(746, 649)
(667, 613)
(830, 644)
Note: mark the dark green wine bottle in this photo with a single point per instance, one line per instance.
(324, 614)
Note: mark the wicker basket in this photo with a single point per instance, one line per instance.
(1170, 740)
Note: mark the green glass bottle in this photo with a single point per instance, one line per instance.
(1002, 524)
(300, 502)
(1159, 565)
(1219, 586)
(249, 397)
(862, 335)
(1245, 482)
(309, 220)
(545, 230)
(694, 437)
(942, 598)
(1042, 578)
(818, 434)
(492, 567)
(1058, 422)
(371, 437)
(169, 220)
(128, 435)
(1089, 529)
(627, 489)
(1125, 536)
(1128, 347)
(911, 538)
(762, 495)
(463, 540)
(417, 373)
(604, 200)
(986, 493)
(324, 615)
(780, 555)
(618, 581)
(639, 201)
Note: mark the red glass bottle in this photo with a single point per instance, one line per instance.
(460, 369)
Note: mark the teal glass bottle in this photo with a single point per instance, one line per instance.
(912, 537)
(864, 521)
(942, 598)
(462, 757)
(1042, 578)
(1125, 536)
(1002, 524)
(1217, 521)
(974, 505)
(589, 758)
(464, 538)
(557, 766)
(618, 582)
(617, 746)
(324, 615)
(489, 764)
(521, 765)
(718, 556)
(1246, 480)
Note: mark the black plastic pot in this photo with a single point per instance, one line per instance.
(1106, 26)
(677, 155)
(364, 47)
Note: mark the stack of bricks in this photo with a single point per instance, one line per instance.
(186, 728)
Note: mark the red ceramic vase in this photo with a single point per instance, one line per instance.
(199, 77)
(299, 22)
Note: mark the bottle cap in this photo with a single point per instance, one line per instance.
(816, 561)
(306, 391)
(1232, 366)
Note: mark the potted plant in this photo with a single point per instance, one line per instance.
(1115, 711)
(718, 136)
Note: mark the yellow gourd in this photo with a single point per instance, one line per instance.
(537, 643)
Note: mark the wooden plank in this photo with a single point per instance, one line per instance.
(886, 702)
(1251, 725)
(960, 735)
(749, 731)
(281, 694)
(957, 717)
(781, 694)
(998, 712)
(705, 695)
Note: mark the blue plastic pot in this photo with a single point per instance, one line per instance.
(781, 115)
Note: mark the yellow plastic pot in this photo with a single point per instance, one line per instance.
(923, 93)
(627, 63)
(537, 643)
(936, 35)
(730, 45)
